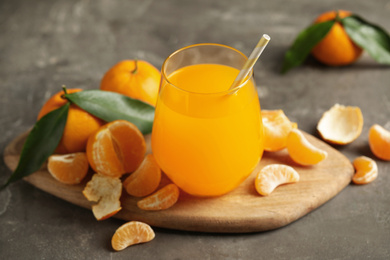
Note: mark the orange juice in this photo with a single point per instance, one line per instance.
(206, 138)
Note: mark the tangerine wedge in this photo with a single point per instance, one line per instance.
(302, 151)
(145, 179)
(273, 175)
(341, 124)
(277, 126)
(131, 233)
(116, 148)
(68, 168)
(106, 191)
(162, 199)
(366, 170)
(379, 141)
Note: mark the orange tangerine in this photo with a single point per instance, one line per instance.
(56, 101)
(302, 151)
(131, 233)
(134, 78)
(379, 141)
(277, 126)
(116, 148)
(336, 48)
(341, 124)
(79, 124)
(68, 168)
(366, 170)
(273, 175)
(106, 191)
(162, 199)
(145, 179)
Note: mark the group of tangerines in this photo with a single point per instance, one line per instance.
(112, 150)
(115, 149)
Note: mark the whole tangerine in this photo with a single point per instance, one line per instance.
(336, 48)
(137, 79)
(79, 125)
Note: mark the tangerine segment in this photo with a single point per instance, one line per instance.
(68, 168)
(379, 141)
(145, 179)
(116, 148)
(341, 124)
(131, 233)
(303, 152)
(366, 170)
(164, 198)
(277, 126)
(106, 191)
(273, 175)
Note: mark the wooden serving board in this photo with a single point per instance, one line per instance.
(242, 210)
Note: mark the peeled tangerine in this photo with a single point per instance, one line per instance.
(366, 170)
(341, 124)
(131, 233)
(273, 175)
(277, 126)
(106, 191)
(379, 140)
(303, 152)
(116, 148)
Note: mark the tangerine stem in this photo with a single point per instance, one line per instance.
(337, 18)
(65, 93)
(64, 89)
(136, 67)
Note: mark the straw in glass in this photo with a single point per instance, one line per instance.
(246, 69)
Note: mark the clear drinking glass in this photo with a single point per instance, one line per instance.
(207, 138)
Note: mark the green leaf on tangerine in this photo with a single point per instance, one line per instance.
(111, 106)
(304, 43)
(370, 37)
(41, 142)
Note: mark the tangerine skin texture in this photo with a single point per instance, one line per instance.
(79, 124)
(136, 79)
(336, 49)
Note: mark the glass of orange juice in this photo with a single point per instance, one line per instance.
(207, 138)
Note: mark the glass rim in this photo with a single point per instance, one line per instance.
(228, 91)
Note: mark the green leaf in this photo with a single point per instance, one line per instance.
(111, 106)
(40, 143)
(304, 43)
(368, 36)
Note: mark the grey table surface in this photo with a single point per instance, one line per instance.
(45, 44)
